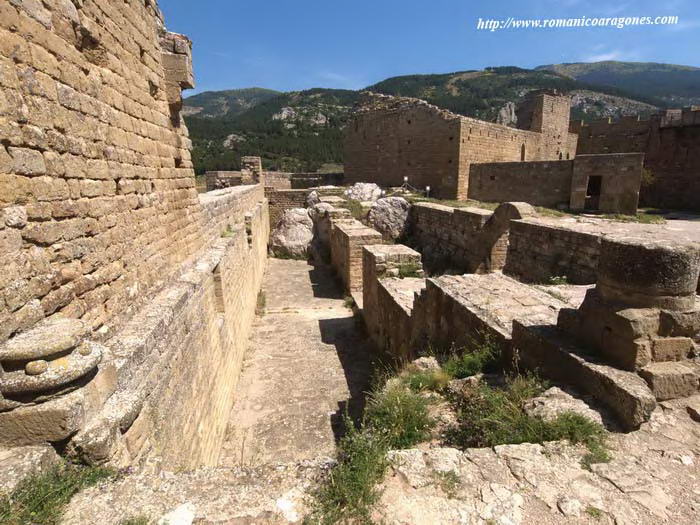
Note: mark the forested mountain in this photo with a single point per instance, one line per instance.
(301, 131)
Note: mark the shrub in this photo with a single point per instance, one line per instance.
(348, 302)
(356, 209)
(42, 497)
(399, 414)
(558, 280)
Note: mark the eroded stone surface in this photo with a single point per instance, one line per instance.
(293, 234)
(555, 401)
(50, 337)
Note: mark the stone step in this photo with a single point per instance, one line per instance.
(670, 380)
(556, 356)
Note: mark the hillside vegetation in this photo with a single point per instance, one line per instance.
(301, 131)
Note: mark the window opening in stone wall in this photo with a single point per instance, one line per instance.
(178, 162)
(522, 153)
(218, 290)
(593, 190)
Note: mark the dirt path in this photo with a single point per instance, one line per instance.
(307, 362)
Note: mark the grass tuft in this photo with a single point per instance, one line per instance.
(594, 512)
(448, 482)
(472, 360)
(410, 270)
(348, 302)
(399, 414)
(136, 520)
(350, 491)
(40, 499)
(395, 417)
(557, 280)
(491, 416)
(422, 380)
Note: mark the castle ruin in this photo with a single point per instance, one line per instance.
(143, 325)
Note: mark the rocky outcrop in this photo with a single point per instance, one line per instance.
(506, 115)
(389, 216)
(293, 234)
(312, 199)
(363, 192)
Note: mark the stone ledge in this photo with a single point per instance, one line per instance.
(545, 349)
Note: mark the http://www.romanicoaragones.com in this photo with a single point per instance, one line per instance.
(580, 22)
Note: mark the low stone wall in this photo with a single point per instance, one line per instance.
(388, 299)
(281, 200)
(545, 183)
(347, 237)
(312, 180)
(277, 180)
(463, 239)
(538, 252)
(184, 351)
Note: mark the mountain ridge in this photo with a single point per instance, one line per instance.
(302, 130)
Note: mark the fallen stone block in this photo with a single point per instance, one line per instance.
(670, 380)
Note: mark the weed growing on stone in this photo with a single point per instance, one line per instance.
(41, 498)
(490, 416)
(594, 512)
(398, 414)
(356, 209)
(471, 360)
(448, 482)
(558, 280)
(643, 218)
(261, 303)
(409, 270)
(422, 380)
(348, 302)
(228, 232)
(350, 491)
(395, 417)
(136, 520)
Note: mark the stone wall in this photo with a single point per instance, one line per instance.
(463, 239)
(312, 180)
(538, 252)
(347, 237)
(543, 183)
(670, 142)
(218, 180)
(104, 234)
(96, 182)
(281, 200)
(391, 138)
(388, 298)
(621, 178)
(278, 180)
(562, 183)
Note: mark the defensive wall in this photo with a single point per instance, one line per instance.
(389, 138)
(126, 297)
(671, 144)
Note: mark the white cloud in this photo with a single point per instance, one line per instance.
(602, 57)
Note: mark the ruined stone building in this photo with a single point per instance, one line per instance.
(391, 138)
(670, 141)
(125, 298)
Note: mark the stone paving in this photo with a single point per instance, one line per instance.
(306, 364)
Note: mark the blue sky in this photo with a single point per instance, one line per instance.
(300, 44)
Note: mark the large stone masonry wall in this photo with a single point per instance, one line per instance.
(392, 138)
(151, 289)
(96, 185)
(542, 183)
(562, 183)
(404, 138)
(463, 239)
(671, 144)
(184, 351)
